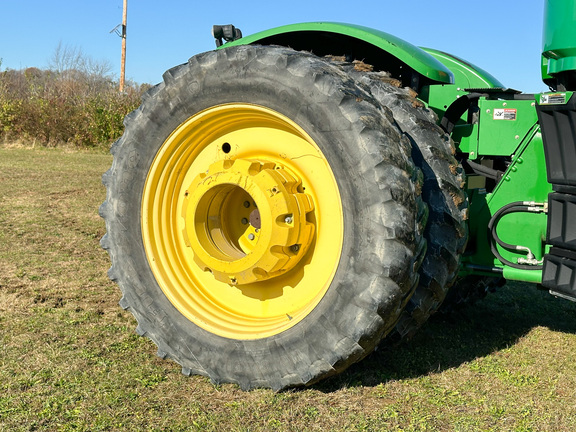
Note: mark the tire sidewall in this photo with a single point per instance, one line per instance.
(330, 337)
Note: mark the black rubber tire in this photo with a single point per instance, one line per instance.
(446, 230)
(371, 160)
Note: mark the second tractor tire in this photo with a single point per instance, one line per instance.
(446, 232)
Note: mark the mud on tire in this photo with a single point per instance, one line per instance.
(446, 230)
(381, 245)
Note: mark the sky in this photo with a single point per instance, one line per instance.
(502, 37)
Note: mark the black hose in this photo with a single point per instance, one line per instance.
(514, 207)
(484, 170)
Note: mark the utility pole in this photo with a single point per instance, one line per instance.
(123, 61)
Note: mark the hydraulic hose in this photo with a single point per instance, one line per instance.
(484, 170)
(513, 207)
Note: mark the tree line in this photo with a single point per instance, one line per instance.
(74, 101)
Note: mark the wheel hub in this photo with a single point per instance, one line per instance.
(206, 212)
(245, 220)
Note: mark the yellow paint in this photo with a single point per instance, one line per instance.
(220, 272)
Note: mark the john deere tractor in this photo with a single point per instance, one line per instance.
(278, 207)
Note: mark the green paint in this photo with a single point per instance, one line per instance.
(407, 53)
(531, 276)
(559, 37)
(466, 76)
(524, 180)
(554, 98)
(501, 127)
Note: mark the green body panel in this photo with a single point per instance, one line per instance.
(531, 276)
(466, 76)
(559, 37)
(525, 180)
(407, 53)
(502, 126)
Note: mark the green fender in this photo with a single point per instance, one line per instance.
(382, 50)
(466, 75)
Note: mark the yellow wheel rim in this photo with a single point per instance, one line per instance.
(242, 221)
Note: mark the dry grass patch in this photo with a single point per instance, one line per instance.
(71, 360)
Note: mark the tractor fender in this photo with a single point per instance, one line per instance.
(385, 52)
(466, 74)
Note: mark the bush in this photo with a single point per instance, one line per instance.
(71, 106)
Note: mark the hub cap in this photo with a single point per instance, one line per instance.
(224, 216)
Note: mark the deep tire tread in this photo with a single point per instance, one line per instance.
(446, 229)
(347, 324)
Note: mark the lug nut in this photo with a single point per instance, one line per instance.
(251, 236)
(246, 204)
(244, 221)
(288, 219)
(295, 248)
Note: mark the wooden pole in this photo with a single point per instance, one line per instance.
(123, 60)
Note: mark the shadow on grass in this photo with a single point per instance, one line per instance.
(447, 341)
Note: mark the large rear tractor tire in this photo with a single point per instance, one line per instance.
(262, 218)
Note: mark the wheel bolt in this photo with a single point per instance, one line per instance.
(295, 248)
(251, 236)
(288, 219)
(244, 221)
(246, 204)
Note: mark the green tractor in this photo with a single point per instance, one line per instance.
(278, 207)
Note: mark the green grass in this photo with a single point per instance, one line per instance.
(70, 359)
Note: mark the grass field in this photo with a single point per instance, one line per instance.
(70, 359)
